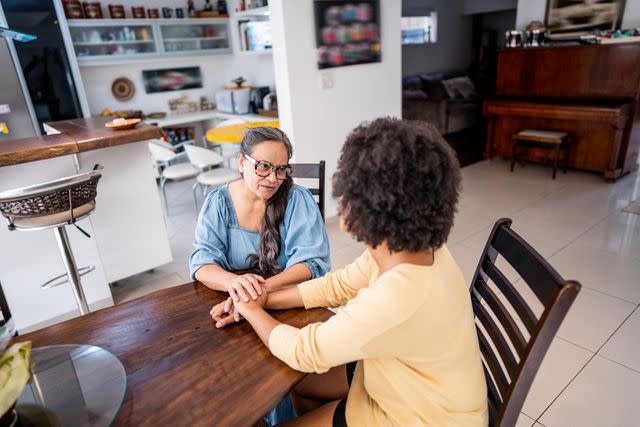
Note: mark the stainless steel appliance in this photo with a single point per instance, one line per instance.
(48, 65)
(17, 119)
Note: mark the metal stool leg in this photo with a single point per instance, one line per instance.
(163, 182)
(72, 269)
(513, 153)
(194, 189)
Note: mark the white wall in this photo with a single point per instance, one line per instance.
(530, 10)
(452, 52)
(217, 71)
(318, 120)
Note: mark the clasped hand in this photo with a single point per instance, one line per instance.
(232, 310)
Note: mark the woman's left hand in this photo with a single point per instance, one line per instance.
(230, 311)
(225, 313)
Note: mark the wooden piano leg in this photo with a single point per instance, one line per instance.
(488, 147)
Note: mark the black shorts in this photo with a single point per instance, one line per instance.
(339, 416)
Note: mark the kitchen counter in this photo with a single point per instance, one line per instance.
(127, 227)
(75, 136)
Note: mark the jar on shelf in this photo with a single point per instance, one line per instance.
(138, 12)
(153, 13)
(92, 10)
(116, 11)
(72, 9)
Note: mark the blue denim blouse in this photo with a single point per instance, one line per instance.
(221, 241)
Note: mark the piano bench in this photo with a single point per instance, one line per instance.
(557, 141)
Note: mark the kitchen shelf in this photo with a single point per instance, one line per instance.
(116, 41)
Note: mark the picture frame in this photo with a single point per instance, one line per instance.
(347, 32)
(172, 79)
(566, 18)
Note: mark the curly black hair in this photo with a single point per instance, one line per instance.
(397, 181)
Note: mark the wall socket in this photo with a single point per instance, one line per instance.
(326, 79)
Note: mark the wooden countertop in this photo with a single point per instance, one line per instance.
(76, 136)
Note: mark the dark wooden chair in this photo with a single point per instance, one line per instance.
(312, 170)
(513, 340)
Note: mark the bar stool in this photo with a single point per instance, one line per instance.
(55, 204)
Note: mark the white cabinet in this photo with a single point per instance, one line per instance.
(106, 41)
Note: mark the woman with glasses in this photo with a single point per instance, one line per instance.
(261, 233)
(262, 223)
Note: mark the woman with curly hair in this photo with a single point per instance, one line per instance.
(403, 349)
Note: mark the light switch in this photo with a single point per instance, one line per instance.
(326, 80)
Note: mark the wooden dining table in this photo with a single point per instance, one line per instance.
(180, 369)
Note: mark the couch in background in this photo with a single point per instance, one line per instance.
(446, 100)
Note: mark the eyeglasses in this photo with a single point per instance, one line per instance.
(264, 168)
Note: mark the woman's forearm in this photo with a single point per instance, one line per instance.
(261, 321)
(286, 298)
(293, 275)
(214, 277)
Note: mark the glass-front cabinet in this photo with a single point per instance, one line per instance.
(98, 41)
(190, 37)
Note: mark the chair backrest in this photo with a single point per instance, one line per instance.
(202, 157)
(513, 340)
(312, 170)
(160, 153)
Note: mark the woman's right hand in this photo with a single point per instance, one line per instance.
(245, 286)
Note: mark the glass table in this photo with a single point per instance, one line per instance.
(72, 385)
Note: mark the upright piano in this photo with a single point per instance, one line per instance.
(590, 91)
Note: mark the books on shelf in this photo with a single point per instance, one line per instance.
(255, 35)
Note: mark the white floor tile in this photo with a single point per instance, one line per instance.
(618, 233)
(562, 362)
(603, 394)
(524, 421)
(593, 318)
(624, 346)
(607, 272)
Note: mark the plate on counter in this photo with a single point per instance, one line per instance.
(122, 124)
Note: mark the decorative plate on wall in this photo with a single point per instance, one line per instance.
(123, 89)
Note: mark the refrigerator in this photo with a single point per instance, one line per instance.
(17, 119)
(44, 81)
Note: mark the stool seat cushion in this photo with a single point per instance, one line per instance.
(542, 135)
(218, 176)
(180, 171)
(39, 222)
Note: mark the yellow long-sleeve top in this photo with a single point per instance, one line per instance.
(412, 332)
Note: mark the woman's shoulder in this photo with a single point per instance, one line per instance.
(300, 193)
(218, 199)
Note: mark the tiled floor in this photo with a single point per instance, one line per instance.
(591, 375)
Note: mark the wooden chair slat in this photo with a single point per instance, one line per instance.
(491, 360)
(531, 266)
(492, 328)
(511, 294)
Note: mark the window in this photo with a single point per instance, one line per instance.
(419, 29)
